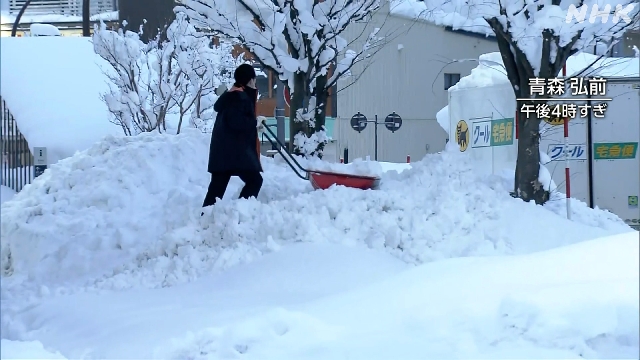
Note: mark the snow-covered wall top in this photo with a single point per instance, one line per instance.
(439, 13)
(490, 70)
(53, 87)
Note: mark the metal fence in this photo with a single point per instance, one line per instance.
(17, 160)
(415, 138)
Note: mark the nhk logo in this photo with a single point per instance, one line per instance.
(580, 14)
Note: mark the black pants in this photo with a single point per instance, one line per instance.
(219, 181)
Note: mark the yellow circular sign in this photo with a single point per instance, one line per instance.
(554, 121)
(462, 135)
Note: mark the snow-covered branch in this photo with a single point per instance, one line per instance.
(301, 41)
(161, 81)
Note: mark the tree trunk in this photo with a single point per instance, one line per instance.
(528, 186)
(86, 14)
(297, 103)
(320, 115)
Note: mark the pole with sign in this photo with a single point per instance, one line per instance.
(392, 122)
(39, 161)
(567, 173)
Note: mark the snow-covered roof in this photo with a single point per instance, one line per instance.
(53, 86)
(490, 70)
(439, 14)
(8, 18)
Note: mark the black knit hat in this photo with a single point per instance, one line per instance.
(243, 74)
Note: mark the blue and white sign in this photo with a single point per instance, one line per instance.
(575, 151)
(481, 134)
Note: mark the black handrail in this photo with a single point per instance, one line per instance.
(280, 148)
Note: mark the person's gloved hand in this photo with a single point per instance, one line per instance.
(260, 125)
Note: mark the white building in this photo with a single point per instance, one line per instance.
(409, 75)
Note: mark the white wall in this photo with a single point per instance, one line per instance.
(405, 76)
(478, 107)
(614, 180)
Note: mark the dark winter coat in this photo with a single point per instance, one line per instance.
(234, 141)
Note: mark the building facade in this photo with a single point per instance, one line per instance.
(409, 75)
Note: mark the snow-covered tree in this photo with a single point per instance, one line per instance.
(301, 41)
(535, 38)
(159, 80)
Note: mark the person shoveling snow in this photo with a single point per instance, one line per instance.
(235, 146)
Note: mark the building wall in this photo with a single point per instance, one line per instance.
(405, 76)
(630, 39)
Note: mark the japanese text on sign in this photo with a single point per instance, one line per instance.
(502, 132)
(481, 134)
(574, 152)
(615, 151)
(497, 132)
(565, 111)
(578, 86)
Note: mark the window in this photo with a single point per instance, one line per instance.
(450, 80)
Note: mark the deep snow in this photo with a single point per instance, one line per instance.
(124, 215)
(52, 86)
(326, 301)
(126, 212)
(6, 193)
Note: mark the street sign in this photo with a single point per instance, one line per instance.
(393, 122)
(39, 160)
(358, 122)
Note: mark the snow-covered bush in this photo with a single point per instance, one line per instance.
(155, 82)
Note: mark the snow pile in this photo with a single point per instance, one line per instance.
(584, 64)
(126, 213)
(6, 193)
(443, 119)
(296, 274)
(491, 71)
(324, 301)
(356, 167)
(52, 86)
(26, 350)
(43, 30)
(576, 302)
(440, 13)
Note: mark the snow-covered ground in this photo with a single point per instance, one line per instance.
(6, 193)
(106, 256)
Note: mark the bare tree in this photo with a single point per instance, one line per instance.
(301, 41)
